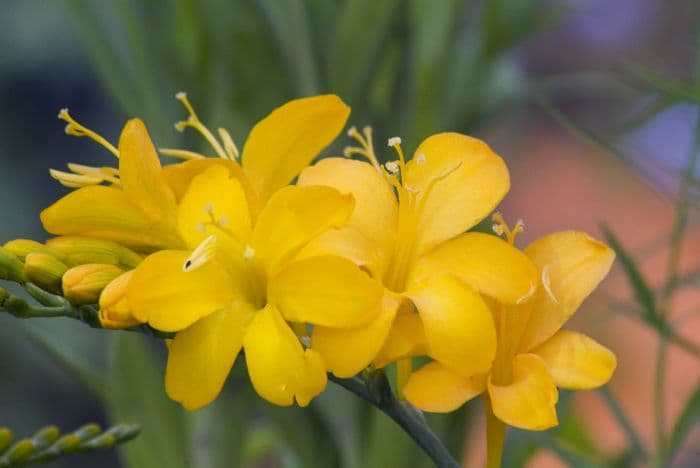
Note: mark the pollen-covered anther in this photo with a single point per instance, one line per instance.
(204, 252)
(208, 208)
(546, 283)
(76, 129)
(180, 95)
(248, 253)
(223, 221)
(352, 131)
(200, 227)
(392, 167)
(394, 141)
(498, 229)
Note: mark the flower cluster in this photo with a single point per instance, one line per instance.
(356, 264)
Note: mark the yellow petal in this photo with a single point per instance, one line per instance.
(459, 328)
(347, 351)
(576, 361)
(201, 356)
(487, 263)
(478, 179)
(278, 367)
(106, 213)
(312, 380)
(406, 338)
(375, 204)
(326, 290)
(530, 401)
(214, 204)
(170, 299)
(572, 266)
(288, 139)
(436, 389)
(178, 176)
(140, 174)
(292, 217)
(346, 242)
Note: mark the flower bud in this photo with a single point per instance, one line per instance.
(45, 271)
(84, 284)
(11, 267)
(82, 250)
(115, 311)
(23, 247)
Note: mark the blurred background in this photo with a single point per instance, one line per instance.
(593, 104)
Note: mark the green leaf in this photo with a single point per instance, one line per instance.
(136, 395)
(361, 29)
(688, 419)
(642, 291)
(288, 21)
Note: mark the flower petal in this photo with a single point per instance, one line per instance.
(327, 290)
(576, 361)
(288, 139)
(573, 264)
(278, 367)
(346, 242)
(459, 327)
(346, 351)
(406, 338)
(141, 177)
(436, 389)
(530, 401)
(201, 356)
(170, 299)
(292, 217)
(376, 209)
(487, 263)
(178, 176)
(474, 180)
(106, 213)
(226, 199)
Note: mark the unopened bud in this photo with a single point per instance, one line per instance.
(115, 311)
(11, 267)
(84, 284)
(45, 271)
(5, 438)
(82, 250)
(23, 247)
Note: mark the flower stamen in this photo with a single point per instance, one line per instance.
(204, 252)
(227, 151)
(500, 227)
(78, 130)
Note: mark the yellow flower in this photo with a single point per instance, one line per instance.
(408, 231)
(535, 356)
(240, 284)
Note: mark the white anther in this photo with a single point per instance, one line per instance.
(392, 167)
(548, 285)
(204, 252)
(248, 253)
(223, 221)
(67, 128)
(306, 341)
(421, 159)
(498, 229)
(63, 113)
(347, 151)
(351, 131)
(394, 141)
(200, 227)
(180, 95)
(208, 208)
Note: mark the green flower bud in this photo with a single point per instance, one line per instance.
(82, 250)
(45, 271)
(11, 267)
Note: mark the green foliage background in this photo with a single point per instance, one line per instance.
(407, 67)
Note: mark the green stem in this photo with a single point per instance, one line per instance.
(659, 404)
(617, 411)
(495, 436)
(375, 389)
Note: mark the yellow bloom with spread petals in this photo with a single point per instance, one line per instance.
(240, 283)
(535, 356)
(408, 231)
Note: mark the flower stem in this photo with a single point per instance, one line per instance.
(495, 436)
(374, 388)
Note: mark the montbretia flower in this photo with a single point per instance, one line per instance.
(534, 356)
(240, 281)
(407, 230)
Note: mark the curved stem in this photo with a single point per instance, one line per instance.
(375, 389)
